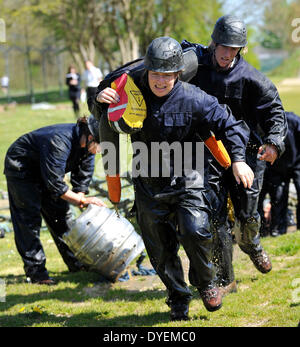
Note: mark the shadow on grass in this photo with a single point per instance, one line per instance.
(84, 282)
(91, 319)
(99, 317)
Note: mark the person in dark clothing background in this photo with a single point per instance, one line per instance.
(251, 96)
(175, 209)
(73, 82)
(277, 180)
(35, 166)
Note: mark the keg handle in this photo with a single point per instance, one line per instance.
(116, 209)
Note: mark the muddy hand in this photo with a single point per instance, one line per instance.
(268, 153)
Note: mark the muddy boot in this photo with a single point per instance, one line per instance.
(261, 261)
(212, 298)
(230, 288)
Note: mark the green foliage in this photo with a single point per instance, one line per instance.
(250, 56)
(118, 31)
(270, 40)
(194, 20)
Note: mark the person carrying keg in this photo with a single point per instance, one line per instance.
(35, 167)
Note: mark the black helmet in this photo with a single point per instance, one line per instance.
(164, 54)
(93, 125)
(230, 31)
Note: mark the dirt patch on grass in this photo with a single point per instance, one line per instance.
(258, 323)
(137, 283)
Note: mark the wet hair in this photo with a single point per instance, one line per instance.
(212, 46)
(83, 127)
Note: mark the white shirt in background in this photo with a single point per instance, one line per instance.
(92, 77)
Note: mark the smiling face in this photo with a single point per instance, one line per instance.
(225, 55)
(161, 83)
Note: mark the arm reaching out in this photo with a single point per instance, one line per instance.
(78, 199)
(243, 173)
(268, 153)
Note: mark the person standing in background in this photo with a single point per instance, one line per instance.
(73, 82)
(92, 77)
(5, 84)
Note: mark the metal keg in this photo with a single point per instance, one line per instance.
(104, 241)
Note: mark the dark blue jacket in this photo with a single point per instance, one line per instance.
(186, 112)
(185, 115)
(250, 95)
(47, 154)
(290, 159)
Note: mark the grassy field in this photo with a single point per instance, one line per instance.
(81, 300)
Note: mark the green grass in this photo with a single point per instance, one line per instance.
(290, 99)
(52, 95)
(80, 300)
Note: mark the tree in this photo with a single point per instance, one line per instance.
(120, 30)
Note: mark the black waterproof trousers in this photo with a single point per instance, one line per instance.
(171, 220)
(29, 201)
(247, 218)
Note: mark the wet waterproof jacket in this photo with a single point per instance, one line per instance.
(278, 176)
(290, 159)
(182, 116)
(184, 113)
(250, 95)
(47, 154)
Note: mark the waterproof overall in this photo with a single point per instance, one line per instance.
(175, 210)
(35, 166)
(253, 98)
